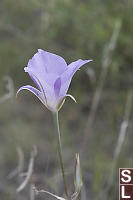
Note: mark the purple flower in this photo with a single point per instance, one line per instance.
(52, 76)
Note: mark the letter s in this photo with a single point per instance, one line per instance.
(125, 173)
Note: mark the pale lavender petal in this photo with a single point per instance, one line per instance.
(47, 91)
(46, 67)
(66, 77)
(35, 80)
(44, 62)
(72, 68)
(53, 63)
(35, 91)
(44, 84)
(57, 86)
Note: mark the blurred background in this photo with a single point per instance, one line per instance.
(99, 126)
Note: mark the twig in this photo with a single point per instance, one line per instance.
(20, 166)
(10, 89)
(46, 192)
(30, 171)
(107, 56)
(120, 142)
(124, 126)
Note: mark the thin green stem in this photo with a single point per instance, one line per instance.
(60, 151)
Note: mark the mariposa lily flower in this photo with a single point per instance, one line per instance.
(52, 77)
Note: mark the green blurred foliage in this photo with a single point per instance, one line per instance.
(73, 29)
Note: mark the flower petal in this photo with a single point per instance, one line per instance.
(47, 90)
(45, 62)
(39, 67)
(35, 81)
(39, 84)
(72, 68)
(66, 77)
(53, 63)
(35, 91)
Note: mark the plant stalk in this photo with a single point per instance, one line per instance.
(60, 151)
